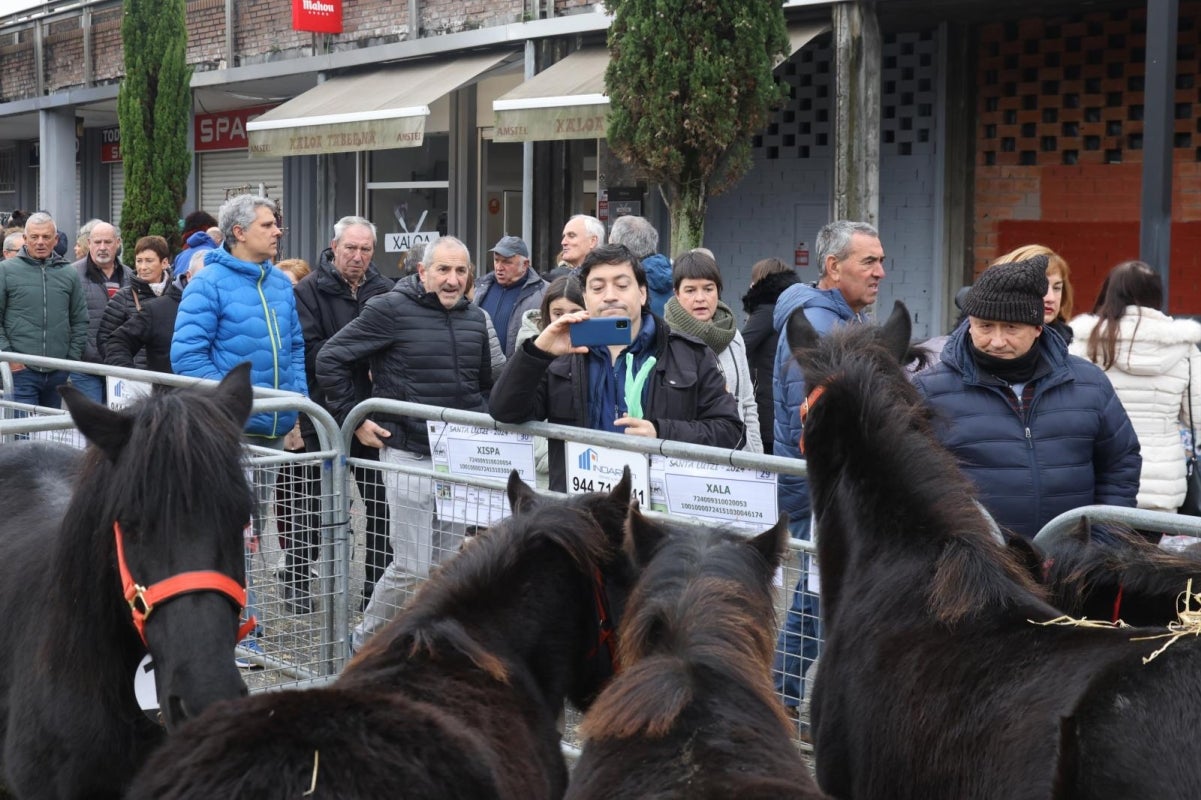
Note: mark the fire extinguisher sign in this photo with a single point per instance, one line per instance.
(802, 255)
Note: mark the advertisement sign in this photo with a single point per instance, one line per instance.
(597, 469)
(225, 130)
(734, 495)
(317, 16)
(110, 146)
(123, 392)
(469, 451)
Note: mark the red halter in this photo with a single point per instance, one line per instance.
(807, 406)
(605, 634)
(143, 600)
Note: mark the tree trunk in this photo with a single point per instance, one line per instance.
(687, 222)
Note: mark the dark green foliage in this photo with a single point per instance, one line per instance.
(154, 107)
(689, 83)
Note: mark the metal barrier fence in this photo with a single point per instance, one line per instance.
(331, 525)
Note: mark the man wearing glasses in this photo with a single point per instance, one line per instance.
(13, 244)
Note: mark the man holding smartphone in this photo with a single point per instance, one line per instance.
(662, 384)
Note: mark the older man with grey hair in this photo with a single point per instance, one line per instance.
(13, 244)
(42, 312)
(581, 235)
(642, 239)
(426, 343)
(103, 275)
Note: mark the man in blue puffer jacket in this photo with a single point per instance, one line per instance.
(241, 308)
(1038, 431)
(852, 265)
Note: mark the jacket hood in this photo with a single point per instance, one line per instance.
(768, 290)
(52, 260)
(219, 255)
(1149, 342)
(808, 296)
(658, 272)
(201, 239)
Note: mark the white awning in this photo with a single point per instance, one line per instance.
(567, 100)
(377, 110)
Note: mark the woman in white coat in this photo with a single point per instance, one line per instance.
(697, 310)
(1149, 358)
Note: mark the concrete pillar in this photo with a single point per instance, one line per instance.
(857, 50)
(56, 172)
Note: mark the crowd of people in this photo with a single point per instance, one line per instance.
(1044, 410)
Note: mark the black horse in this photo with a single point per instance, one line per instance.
(1128, 578)
(693, 713)
(936, 680)
(458, 697)
(162, 484)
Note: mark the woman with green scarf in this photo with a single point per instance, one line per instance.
(697, 310)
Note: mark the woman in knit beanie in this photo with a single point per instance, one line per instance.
(696, 309)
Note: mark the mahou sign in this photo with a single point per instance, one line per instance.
(225, 130)
(317, 16)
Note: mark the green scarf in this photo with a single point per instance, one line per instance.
(717, 332)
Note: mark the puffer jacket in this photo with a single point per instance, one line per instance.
(1073, 446)
(531, 326)
(96, 292)
(658, 282)
(1156, 355)
(125, 303)
(43, 311)
(325, 306)
(418, 350)
(146, 336)
(530, 298)
(687, 400)
(760, 338)
(235, 311)
(825, 309)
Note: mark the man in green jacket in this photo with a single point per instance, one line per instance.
(43, 312)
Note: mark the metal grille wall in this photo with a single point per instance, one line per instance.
(116, 192)
(228, 173)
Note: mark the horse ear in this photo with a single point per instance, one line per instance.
(235, 394)
(521, 497)
(801, 334)
(772, 544)
(897, 331)
(102, 426)
(643, 537)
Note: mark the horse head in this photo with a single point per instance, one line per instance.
(165, 498)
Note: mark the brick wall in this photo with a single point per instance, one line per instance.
(63, 54)
(449, 16)
(107, 56)
(206, 33)
(1060, 138)
(17, 76)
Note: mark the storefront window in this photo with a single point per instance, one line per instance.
(408, 198)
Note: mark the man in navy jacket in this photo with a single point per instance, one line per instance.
(1037, 430)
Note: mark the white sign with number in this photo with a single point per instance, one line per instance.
(480, 453)
(737, 495)
(597, 469)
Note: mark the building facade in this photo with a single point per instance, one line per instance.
(990, 128)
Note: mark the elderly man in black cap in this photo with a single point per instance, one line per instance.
(1037, 430)
(510, 289)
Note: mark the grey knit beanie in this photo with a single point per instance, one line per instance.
(1010, 292)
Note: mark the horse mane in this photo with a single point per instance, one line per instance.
(479, 578)
(1077, 568)
(873, 428)
(701, 605)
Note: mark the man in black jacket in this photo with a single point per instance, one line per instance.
(664, 385)
(327, 299)
(102, 274)
(426, 344)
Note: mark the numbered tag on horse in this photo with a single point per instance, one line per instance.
(146, 690)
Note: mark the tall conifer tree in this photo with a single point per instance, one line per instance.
(690, 82)
(153, 109)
